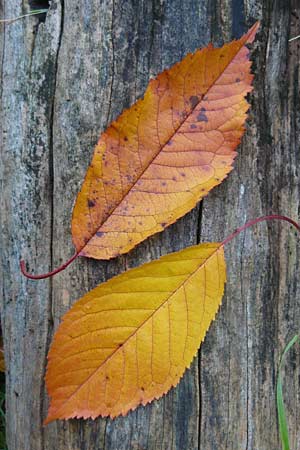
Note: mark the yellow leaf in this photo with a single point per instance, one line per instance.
(129, 340)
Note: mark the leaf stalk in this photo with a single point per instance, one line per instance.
(226, 241)
(257, 220)
(48, 274)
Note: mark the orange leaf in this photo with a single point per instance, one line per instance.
(129, 340)
(165, 153)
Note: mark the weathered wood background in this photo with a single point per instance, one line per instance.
(62, 82)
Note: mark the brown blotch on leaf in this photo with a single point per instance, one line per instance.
(91, 203)
(202, 117)
(99, 233)
(194, 100)
(125, 138)
(193, 126)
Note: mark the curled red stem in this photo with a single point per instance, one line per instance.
(49, 274)
(260, 219)
(226, 241)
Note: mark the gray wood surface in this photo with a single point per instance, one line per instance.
(62, 82)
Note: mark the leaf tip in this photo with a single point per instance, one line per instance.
(250, 35)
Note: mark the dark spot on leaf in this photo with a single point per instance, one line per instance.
(182, 174)
(164, 183)
(170, 143)
(140, 223)
(202, 117)
(203, 109)
(142, 388)
(193, 126)
(91, 203)
(125, 138)
(99, 233)
(107, 378)
(163, 224)
(174, 178)
(237, 80)
(194, 100)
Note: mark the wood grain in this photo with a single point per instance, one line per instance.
(62, 82)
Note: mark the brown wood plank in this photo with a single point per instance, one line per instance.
(60, 88)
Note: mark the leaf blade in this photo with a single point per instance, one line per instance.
(148, 169)
(130, 340)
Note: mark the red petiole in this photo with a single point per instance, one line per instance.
(226, 241)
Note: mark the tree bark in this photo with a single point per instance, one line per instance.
(62, 82)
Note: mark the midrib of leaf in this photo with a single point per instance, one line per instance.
(242, 41)
(144, 322)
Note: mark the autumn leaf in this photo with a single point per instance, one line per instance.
(130, 340)
(165, 153)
